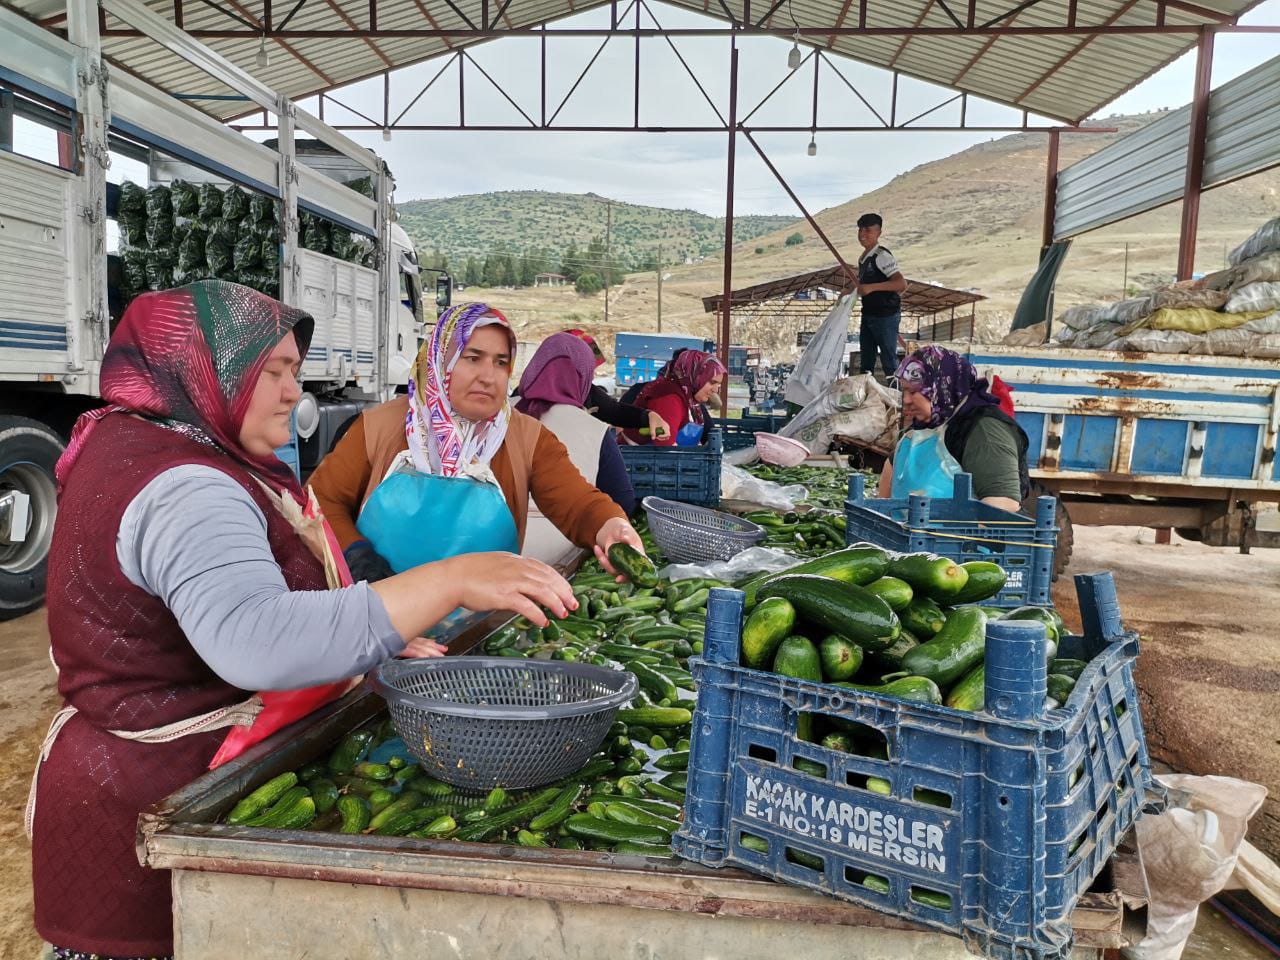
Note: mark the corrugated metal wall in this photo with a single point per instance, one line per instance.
(1147, 169)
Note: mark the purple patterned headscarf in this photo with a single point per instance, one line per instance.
(949, 382)
(559, 372)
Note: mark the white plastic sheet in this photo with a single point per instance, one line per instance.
(737, 484)
(820, 363)
(748, 563)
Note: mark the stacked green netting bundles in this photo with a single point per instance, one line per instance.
(183, 232)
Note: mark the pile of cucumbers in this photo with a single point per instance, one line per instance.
(805, 534)
(828, 487)
(910, 626)
(628, 798)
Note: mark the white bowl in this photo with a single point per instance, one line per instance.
(782, 451)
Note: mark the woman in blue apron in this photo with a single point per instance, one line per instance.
(955, 425)
(450, 468)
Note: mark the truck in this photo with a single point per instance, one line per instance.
(1186, 442)
(72, 128)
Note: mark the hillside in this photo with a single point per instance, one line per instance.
(968, 220)
(523, 219)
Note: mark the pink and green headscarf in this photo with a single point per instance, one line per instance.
(440, 442)
(189, 359)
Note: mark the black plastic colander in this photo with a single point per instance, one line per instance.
(485, 722)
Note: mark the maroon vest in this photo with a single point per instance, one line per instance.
(125, 664)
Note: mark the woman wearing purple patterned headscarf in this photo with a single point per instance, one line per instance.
(554, 389)
(954, 423)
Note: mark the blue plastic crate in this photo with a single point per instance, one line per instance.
(1039, 799)
(741, 433)
(963, 529)
(687, 474)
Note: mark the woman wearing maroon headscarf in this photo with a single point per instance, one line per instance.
(678, 394)
(178, 586)
(554, 388)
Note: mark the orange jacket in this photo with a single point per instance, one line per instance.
(530, 462)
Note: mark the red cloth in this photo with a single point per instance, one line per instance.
(1002, 392)
(125, 665)
(668, 401)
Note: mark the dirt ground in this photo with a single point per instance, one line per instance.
(1209, 674)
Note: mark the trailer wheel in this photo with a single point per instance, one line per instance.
(1066, 537)
(28, 452)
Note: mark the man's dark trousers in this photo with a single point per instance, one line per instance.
(878, 336)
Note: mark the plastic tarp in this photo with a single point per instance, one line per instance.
(1036, 305)
(1265, 239)
(857, 408)
(1263, 295)
(820, 363)
(1262, 268)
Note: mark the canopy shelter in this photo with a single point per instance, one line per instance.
(929, 311)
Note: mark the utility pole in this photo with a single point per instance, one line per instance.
(659, 288)
(608, 254)
(1124, 285)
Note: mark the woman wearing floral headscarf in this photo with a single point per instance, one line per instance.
(677, 396)
(178, 584)
(450, 468)
(955, 424)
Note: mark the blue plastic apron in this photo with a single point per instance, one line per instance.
(413, 518)
(923, 464)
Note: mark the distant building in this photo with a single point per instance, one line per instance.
(550, 280)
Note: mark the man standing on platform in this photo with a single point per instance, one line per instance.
(880, 285)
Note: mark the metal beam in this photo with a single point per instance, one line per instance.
(1050, 189)
(1195, 156)
(725, 332)
(1089, 38)
(659, 128)
(813, 34)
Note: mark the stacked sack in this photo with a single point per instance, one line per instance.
(182, 232)
(1234, 312)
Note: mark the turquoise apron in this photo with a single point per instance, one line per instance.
(413, 518)
(923, 464)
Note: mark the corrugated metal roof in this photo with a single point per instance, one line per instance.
(1067, 77)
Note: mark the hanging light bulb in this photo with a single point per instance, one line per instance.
(386, 134)
(263, 59)
(793, 58)
(813, 147)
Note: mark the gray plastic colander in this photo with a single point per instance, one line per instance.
(485, 722)
(689, 534)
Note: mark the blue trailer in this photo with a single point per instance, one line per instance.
(639, 356)
(1145, 439)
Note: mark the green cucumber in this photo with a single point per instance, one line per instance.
(355, 813)
(409, 800)
(587, 827)
(797, 657)
(1059, 686)
(347, 754)
(893, 591)
(410, 820)
(749, 841)
(923, 618)
(957, 648)
(655, 684)
(560, 808)
(527, 838)
(656, 716)
(811, 767)
(440, 827)
(380, 799)
(1051, 621)
(839, 607)
(624, 812)
(262, 798)
(921, 689)
(373, 771)
(890, 658)
(676, 780)
(771, 621)
(676, 760)
(300, 812)
(325, 794)
(430, 786)
(632, 565)
(858, 565)
(840, 657)
(837, 740)
(931, 575)
(1068, 668)
(970, 693)
(522, 811)
(628, 848)
(663, 792)
(691, 602)
(985, 580)
(286, 802)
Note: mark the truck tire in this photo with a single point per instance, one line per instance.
(28, 452)
(1066, 538)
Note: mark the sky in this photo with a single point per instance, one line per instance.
(638, 168)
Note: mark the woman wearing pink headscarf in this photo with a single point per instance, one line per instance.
(678, 394)
(554, 389)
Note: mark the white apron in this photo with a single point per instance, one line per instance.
(582, 434)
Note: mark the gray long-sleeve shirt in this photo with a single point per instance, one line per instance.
(196, 540)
